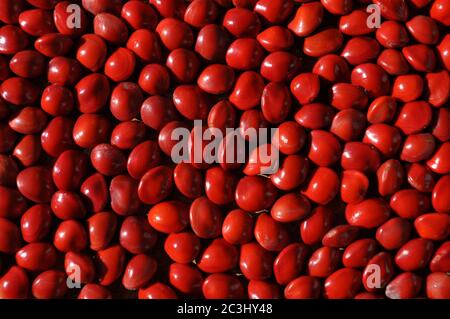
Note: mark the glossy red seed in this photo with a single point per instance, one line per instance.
(219, 256)
(390, 177)
(185, 278)
(102, 227)
(95, 191)
(138, 272)
(61, 14)
(50, 284)
(144, 44)
(13, 39)
(354, 54)
(437, 286)
(247, 91)
(123, 192)
(175, 34)
(421, 177)
(342, 284)
(275, 38)
(155, 185)
(393, 62)
(323, 186)
(108, 159)
(110, 27)
(216, 79)
(289, 263)
(255, 262)
(222, 286)
(237, 227)
(262, 290)
(316, 226)
(414, 255)
(241, 22)
(307, 18)
(418, 147)
(275, 11)
(303, 287)
(385, 138)
(70, 236)
(94, 291)
(325, 149)
(305, 87)
(244, 54)
(36, 256)
(409, 203)
(345, 96)
(127, 135)
(36, 183)
(212, 42)
(393, 233)
(10, 11)
(35, 223)
(251, 190)
(438, 163)
(358, 253)
(372, 78)
(191, 102)
(275, 102)
(290, 207)
(289, 137)
(323, 43)
(136, 235)
(354, 186)
(440, 202)
(182, 247)
(439, 92)
(205, 218)
(96, 7)
(405, 286)
(53, 45)
(360, 156)
(270, 234)
(441, 258)
(14, 284)
(79, 264)
(91, 52)
(92, 93)
(67, 205)
(314, 116)
(27, 64)
(120, 65)
(420, 57)
(355, 23)
(169, 216)
(280, 66)
(110, 264)
(340, 236)
(28, 150)
(37, 20)
(139, 15)
(378, 272)
(19, 91)
(433, 226)
(66, 71)
(323, 262)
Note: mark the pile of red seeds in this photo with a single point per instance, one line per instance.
(91, 93)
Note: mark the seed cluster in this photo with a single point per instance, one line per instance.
(92, 204)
